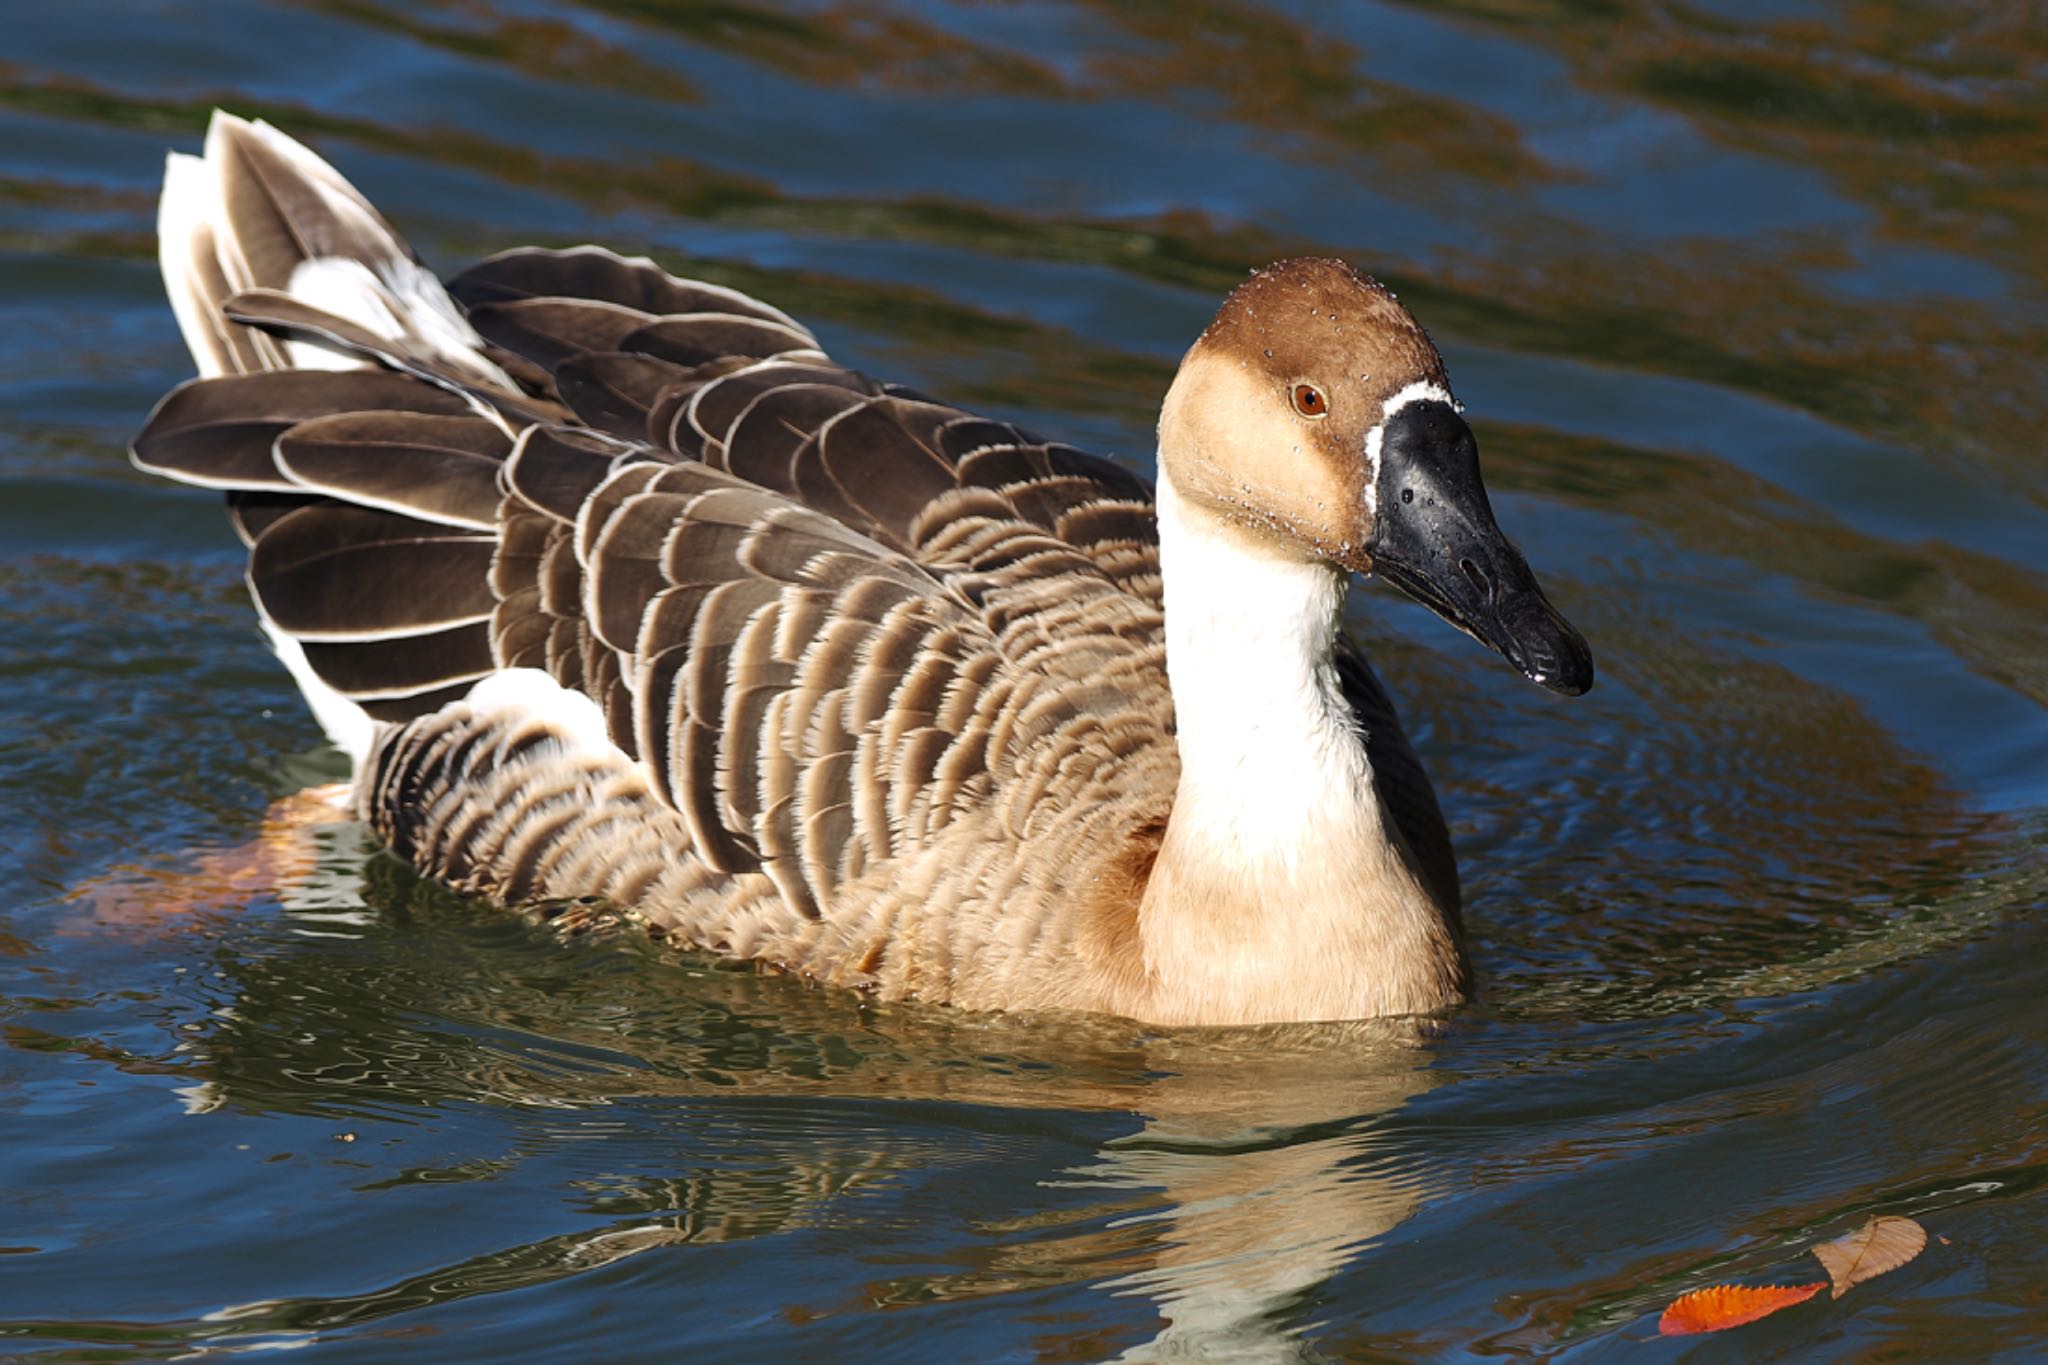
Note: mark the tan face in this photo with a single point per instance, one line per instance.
(1269, 423)
(1278, 426)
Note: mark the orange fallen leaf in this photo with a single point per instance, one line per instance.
(1720, 1306)
(1880, 1245)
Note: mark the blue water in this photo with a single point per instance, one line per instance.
(1747, 304)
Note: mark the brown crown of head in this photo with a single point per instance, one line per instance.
(1268, 421)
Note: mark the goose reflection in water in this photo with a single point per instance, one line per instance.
(1260, 1203)
(1257, 1168)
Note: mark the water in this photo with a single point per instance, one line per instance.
(1748, 305)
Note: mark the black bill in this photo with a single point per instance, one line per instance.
(1434, 537)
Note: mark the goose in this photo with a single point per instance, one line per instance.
(616, 589)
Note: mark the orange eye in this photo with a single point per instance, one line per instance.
(1309, 401)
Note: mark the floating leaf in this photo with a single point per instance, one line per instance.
(1730, 1305)
(1880, 1245)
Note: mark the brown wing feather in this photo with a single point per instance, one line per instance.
(810, 699)
(219, 432)
(591, 272)
(442, 469)
(729, 380)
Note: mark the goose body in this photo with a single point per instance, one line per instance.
(614, 585)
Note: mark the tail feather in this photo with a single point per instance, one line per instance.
(282, 207)
(362, 429)
(189, 252)
(260, 212)
(278, 271)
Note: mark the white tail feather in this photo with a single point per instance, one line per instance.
(349, 727)
(183, 238)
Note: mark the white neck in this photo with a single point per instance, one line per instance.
(1277, 893)
(1267, 743)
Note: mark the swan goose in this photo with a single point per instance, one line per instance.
(613, 585)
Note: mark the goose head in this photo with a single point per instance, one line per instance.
(1314, 418)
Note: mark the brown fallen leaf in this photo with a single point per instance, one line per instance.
(1721, 1306)
(1880, 1245)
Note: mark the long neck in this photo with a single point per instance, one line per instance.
(1267, 744)
(1277, 893)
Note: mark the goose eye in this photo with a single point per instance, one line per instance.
(1309, 401)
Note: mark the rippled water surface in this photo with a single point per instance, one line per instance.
(1749, 304)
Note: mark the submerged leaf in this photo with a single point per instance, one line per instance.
(1880, 1245)
(1730, 1305)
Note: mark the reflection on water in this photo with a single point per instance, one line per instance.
(1247, 1234)
(1245, 1169)
(1747, 305)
